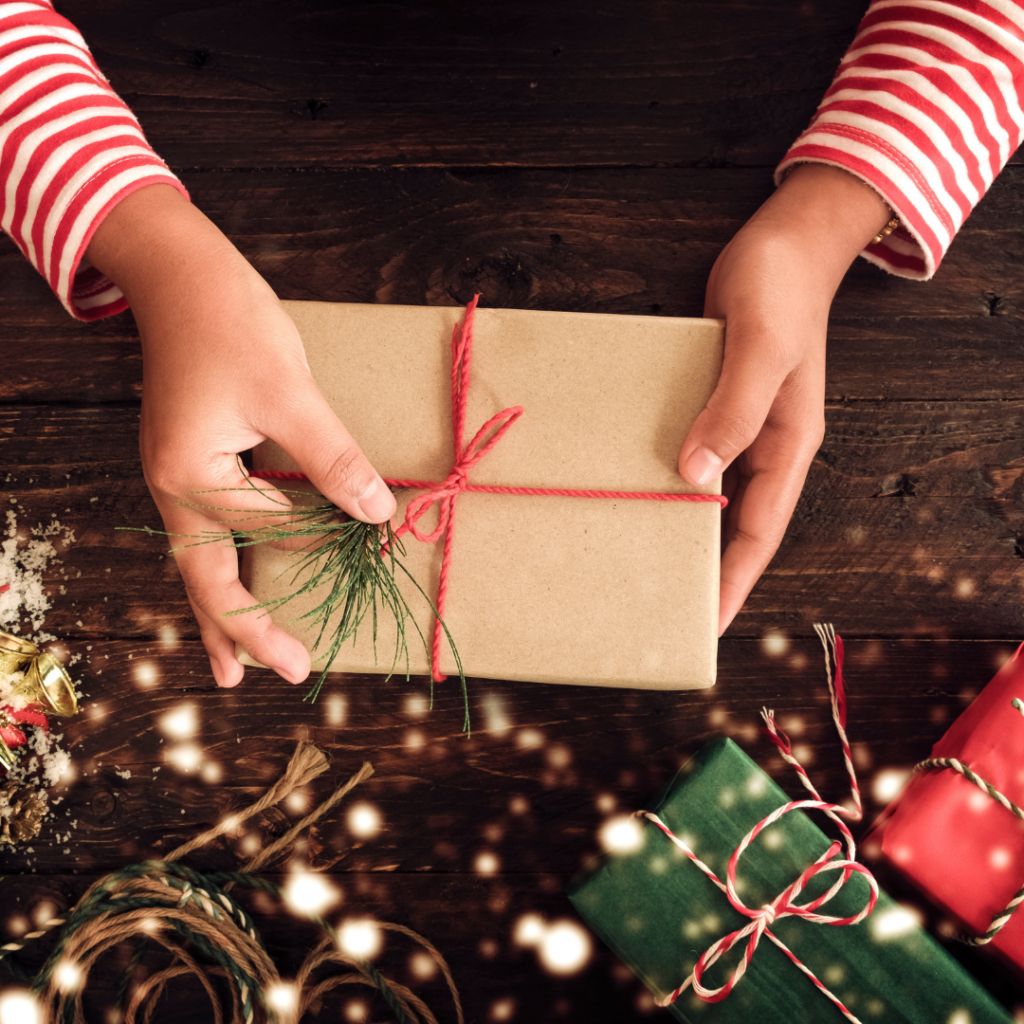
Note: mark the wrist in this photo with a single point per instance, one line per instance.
(155, 241)
(830, 213)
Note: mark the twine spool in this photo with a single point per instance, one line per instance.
(208, 934)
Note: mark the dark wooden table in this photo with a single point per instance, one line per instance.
(555, 155)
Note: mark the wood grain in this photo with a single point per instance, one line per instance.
(574, 156)
(909, 524)
(471, 84)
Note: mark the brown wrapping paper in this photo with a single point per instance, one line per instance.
(607, 592)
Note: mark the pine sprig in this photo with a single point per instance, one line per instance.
(350, 565)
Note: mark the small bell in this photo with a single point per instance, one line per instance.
(8, 758)
(45, 681)
(48, 685)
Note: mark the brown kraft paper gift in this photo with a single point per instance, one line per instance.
(598, 591)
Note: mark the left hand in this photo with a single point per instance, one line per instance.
(773, 284)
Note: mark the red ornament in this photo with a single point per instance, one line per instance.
(13, 736)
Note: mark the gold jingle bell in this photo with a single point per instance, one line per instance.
(8, 758)
(45, 681)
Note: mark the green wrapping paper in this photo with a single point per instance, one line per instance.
(658, 912)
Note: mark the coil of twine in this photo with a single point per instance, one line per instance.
(208, 934)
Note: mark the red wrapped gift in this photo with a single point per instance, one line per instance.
(957, 829)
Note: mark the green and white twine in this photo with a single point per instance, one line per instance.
(1004, 915)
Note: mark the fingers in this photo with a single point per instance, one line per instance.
(769, 478)
(752, 372)
(210, 573)
(318, 441)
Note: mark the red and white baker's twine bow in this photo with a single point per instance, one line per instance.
(446, 493)
(786, 903)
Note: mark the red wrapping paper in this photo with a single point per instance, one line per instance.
(953, 841)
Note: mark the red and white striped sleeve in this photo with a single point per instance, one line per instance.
(926, 109)
(70, 151)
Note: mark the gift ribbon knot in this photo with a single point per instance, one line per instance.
(786, 903)
(445, 493)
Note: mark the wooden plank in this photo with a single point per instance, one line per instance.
(910, 522)
(595, 241)
(323, 84)
(443, 797)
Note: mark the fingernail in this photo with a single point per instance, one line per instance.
(377, 503)
(290, 673)
(702, 465)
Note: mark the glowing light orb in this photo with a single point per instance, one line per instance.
(894, 922)
(67, 976)
(297, 802)
(18, 1006)
(756, 785)
(959, 1017)
(186, 757)
(335, 709)
(181, 723)
(623, 834)
(530, 739)
(356, 1010)
(979, 802)
(606, 803)
(486, 863)
(360, 938)
(168, 636)
(43, 912)
(1000, 858)
(146, 674)
(364, 820)
(965, 588)
(529, 930)
(502, 1009)
(307, 892)
(422, 965)
(495, 715)
(887, 783)
(772, 838)
(283, 997)
(415, 740)
(416, 705)
(565, 948)
(559, 756)
(211, 772)
(519, 805)
(775, 643)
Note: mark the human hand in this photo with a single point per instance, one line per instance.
(773, 284)
(223, 369)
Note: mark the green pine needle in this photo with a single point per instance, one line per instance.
(350, 565)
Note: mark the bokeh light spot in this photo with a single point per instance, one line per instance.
(307, 892)
(486, 863)
(180, 723)
(894, 922)
(360, 937)
(565, 948)
(887, 783)
(775, 643)
(364, 820)
(529, 930)
(19, 1006)
(146, 674)
(623, 834)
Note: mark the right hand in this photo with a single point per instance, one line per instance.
(223, 370)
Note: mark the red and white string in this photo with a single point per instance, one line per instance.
(786, 903)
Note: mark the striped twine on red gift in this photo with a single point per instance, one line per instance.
(446, 492)
(786, 903)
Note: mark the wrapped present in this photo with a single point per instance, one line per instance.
(733, 906)
(955, 831)
(568, 547)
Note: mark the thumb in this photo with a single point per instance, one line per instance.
(736, 411)
(328, 454)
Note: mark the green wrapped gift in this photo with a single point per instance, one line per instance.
(659, 912)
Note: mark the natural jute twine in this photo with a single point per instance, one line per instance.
(207, 933)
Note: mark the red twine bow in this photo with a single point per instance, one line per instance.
(786, 903)
(446, 493)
